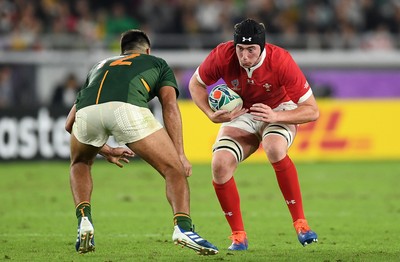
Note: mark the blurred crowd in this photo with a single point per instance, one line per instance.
(36, 25)
(293, 24)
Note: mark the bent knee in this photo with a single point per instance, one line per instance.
(172, 170)
(275, 154)
(81, 160)
(223, 166)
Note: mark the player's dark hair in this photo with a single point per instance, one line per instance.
(134, 39)
(249, 32)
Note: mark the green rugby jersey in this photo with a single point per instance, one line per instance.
(132, 78)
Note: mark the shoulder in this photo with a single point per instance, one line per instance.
(156, 60)
(223, 54)
(225, 49)
(276, 52)
(277, 57)
(226, 46)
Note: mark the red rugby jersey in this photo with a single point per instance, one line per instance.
(274, 80)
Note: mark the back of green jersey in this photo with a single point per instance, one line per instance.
(132, 78)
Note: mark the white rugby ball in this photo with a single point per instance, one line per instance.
(221, 97)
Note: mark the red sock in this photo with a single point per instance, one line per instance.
(229, 200)
(288, 182)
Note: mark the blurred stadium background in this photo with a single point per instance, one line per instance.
(348, 49)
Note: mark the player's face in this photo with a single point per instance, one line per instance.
(248, 55)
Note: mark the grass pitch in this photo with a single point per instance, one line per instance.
(354, 208)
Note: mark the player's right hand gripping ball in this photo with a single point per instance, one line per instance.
(221, 97)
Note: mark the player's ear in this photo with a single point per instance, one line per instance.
(148, 51)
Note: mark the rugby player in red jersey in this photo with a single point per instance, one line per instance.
(276, 98)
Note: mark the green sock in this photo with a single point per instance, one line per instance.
(83, 209)
(183, 221)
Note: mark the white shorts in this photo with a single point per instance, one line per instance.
(126, 122)
(262, 129)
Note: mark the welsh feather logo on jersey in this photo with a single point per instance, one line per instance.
(267, 87)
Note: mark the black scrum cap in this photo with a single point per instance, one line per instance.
(249, 32)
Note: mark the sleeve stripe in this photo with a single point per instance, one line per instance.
(198, 77)
(145, 84)
(305, 96)
(101, 87)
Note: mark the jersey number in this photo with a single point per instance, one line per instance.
(122, 60)
(115, 63)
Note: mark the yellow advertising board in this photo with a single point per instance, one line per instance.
(346, 130)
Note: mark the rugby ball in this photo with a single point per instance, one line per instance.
(221, 97)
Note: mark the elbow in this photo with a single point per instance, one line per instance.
(315, 115)
(68, 124)
(70, 119)
(68, 128)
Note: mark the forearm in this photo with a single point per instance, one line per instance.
(199, 96)
(305, 112)
(173, 124)
(300, 115)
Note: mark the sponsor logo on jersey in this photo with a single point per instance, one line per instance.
(250, 81)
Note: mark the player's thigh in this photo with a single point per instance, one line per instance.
(232, 146)
(277, 139)
(81, 152)
(248, 142)
(158, 150)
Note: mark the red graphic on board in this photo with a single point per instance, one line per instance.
(325, 130)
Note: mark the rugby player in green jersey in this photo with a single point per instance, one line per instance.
(114, 102)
